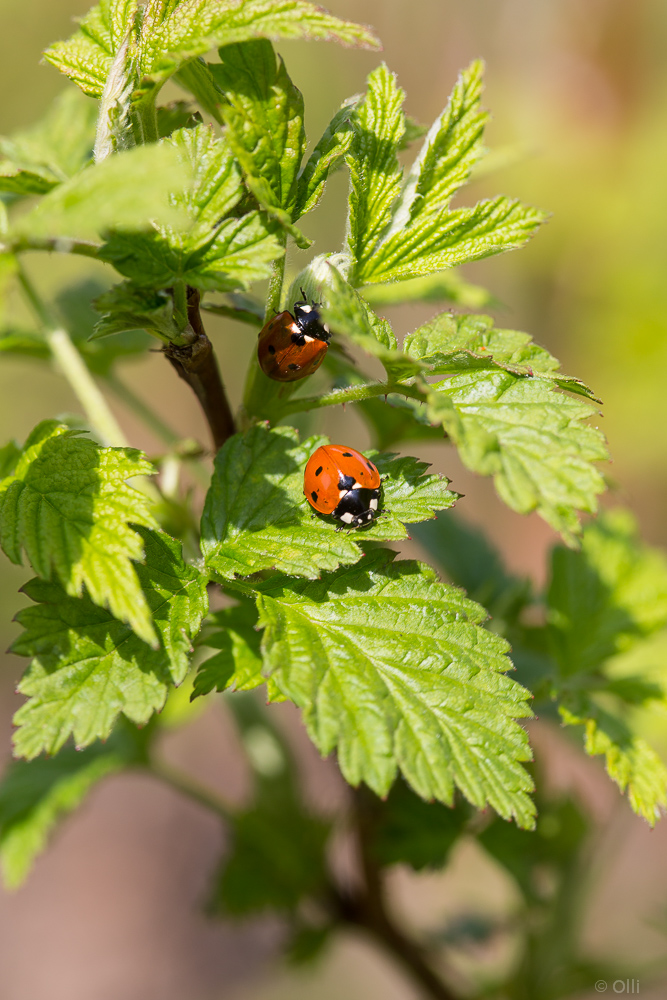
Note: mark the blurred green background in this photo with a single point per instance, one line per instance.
(578, 93)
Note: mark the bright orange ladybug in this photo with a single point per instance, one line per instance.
(341, 482)
(293, 346)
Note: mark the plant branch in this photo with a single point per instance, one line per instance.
(73, 367)
(58, 244)
(368, 908)
(191, 788)
(352, 394)
(197, 365)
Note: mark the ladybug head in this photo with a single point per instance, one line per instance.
(309, 319)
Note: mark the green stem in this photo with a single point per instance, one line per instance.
(58, 244)
(144, 114)
(181, 304)
(73, 367)
(95, 406)
(352, 394)
(191, 788)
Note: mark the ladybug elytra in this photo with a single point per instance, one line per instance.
(293, 346)
(343, 483)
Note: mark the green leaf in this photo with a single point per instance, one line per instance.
(264, 118)
(196, 77)
(398, 419)
(445, 285)
(602, 600)
(74, 304)
(174, 116)
(87, 57)
(238, 662)
(35, 795)
(375, 174)
(408, 830)
(67, 504)
(630, 761)
(454, 344)
(450, 150)
(347, 313)
(88, 666)
(434, 242)
(129, 190)
(530, 438)
(277, 859)
(196, 26)
(605, 597)
(9, 456)
(417, 233)
(212, 250)
(48, 153)
(126, 307)
(392, 669)
(327, 157)
(24, 343)
(256, 516)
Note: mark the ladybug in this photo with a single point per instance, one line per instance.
(341, 482)
(293, 346)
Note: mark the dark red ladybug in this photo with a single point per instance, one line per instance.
(293, 346)
(343, 483)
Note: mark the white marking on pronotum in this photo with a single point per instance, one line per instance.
(373, 505)
(357, 486)
(306, 309)
(347, 517)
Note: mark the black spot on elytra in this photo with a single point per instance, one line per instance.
(347, 454)
(346, 482)
(314, 496)
(369, 466)
(293, 367)
(317, 471)
(272, 349)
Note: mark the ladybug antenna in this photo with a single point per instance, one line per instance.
(305, 297)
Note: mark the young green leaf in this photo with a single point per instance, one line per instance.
(417, 233)
(326, 158)
(128, 191)
(630, 761)
(391, 668)
(434, 242)
(211, 250)
(605, 597)
(264, 117)
(10, 454)
(48, 153)
(196, 26)
(346, 313)
(87, 57)
(127, 307)
(256, 516)
(73, 305)
(238, 662)
(375, 174)
(451, 148)
(35, 795)
(530, 438)
(455, 344)
(88, 666)
(67, 504)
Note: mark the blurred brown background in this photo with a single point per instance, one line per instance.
(112, 910)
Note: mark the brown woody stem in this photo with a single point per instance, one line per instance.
(367, 908)
(197, 365)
